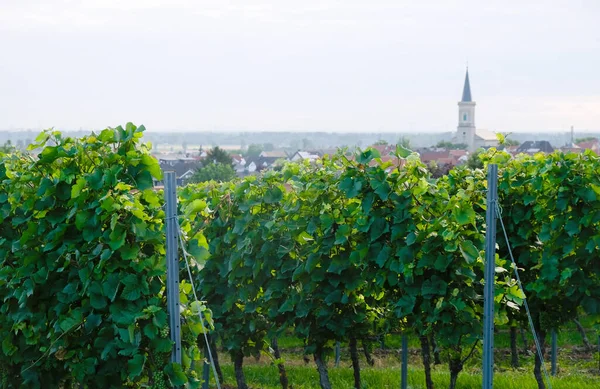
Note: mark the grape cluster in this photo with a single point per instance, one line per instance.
(159, 381)
(164, 332)
(3, 376)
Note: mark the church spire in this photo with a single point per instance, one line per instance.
(466, 97)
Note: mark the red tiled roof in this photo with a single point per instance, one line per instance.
(590, 145)
(428, 156)
(458, 153)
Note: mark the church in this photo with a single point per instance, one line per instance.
(466, 132)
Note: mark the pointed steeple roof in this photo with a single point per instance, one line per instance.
(466, 97)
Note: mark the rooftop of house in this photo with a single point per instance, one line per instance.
(442, 156)
(458, 153)
(427, 156)
(590, 144)
(179, 168)
(485, 134)
(535, 146)
(173, 157)
(304, 155)
(572, 149)
(237, 158)
(328, 151)
(274, 154)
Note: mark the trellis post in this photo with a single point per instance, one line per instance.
(489, 277)
(205, 370)
(404, 374)
(554, 352)
(338, 354)
(172, 226)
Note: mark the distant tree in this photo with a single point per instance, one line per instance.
(474, 162)
(214, 172)
(307, 144)
(279, 164)
(437, 170)
(7, 147)
(268, 147)
(451, 146)
(404, 142)
(381, 142)
(295, 144)
(253, 151)
(586, 139)
(217, 155)
(506, 141)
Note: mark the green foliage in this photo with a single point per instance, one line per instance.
(217, 155)
(474, 161)
(353, 247)
(340, 248)
(404, 142)
(585, 139)
(451, 146)
(82, 263)
(7, 148)
(253, 151)
(214, 172)
(217, 166)
(387, 376)
(436, 170)
(551, 203)
(504, 141)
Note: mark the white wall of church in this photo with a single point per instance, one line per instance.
(466, 114)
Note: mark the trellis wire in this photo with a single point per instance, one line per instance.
(514, 263)
(189, 271)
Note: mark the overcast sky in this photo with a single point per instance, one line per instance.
(324, 65)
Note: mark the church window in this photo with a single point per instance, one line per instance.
(464, 117)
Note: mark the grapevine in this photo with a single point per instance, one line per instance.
(343, 249)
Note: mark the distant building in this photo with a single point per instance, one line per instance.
(466, 131)
(183, 171)
(241, 170)
(303, 155)
(173, 159)
(443, 157)
(573, 148)
(274, 154)
(538, 146)
(593, 145)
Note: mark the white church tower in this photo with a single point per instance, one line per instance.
(465, 133)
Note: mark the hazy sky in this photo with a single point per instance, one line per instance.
(369, 65)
